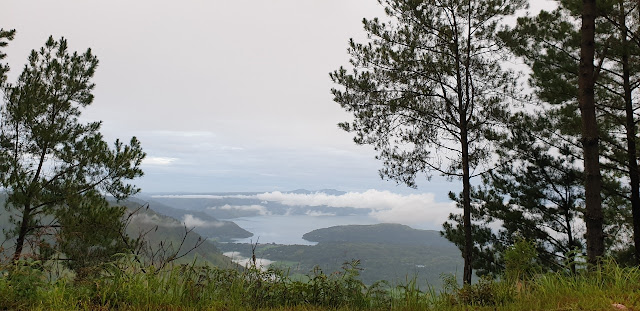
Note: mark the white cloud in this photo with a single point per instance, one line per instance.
(191, 221)
(257, 208)
(319, 213)
(202, 196)
(160, 161)
(412, 209)
(243, 261)
(420, 210)
(155, 220)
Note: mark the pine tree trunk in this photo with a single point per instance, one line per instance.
(571, 256)
(466, 218)
(632, 162)
(593, 183)
(466, 175)
(464, 104)
(22, 233)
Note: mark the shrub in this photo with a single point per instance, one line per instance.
(520, 261)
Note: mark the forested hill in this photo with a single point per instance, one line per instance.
(380, 233)
(162, 231)
(156, 227)
(203, 223)
(390, 252)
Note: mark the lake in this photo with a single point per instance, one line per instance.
(288, 229)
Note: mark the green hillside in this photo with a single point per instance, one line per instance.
(209, 226)
(386, 252)
(380, 233)
(171, 233)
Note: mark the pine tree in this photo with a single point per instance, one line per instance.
(5, 36)
(543, 189)
(91, 232)
(51, 160)
(426, 88)
(551, 45)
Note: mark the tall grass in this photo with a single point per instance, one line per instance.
(124, 286)
(598, 289)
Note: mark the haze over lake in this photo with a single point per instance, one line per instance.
(288, 229)
(283, 217)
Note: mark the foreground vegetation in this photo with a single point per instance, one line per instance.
(29, 285)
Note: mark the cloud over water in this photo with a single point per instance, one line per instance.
(420, 210)
(386, 206)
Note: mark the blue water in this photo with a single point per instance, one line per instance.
(283, 229)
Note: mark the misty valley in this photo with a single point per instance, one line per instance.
(300, 236)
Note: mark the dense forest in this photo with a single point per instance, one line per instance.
(545, 151)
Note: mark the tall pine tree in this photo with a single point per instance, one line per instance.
(551, 45)
(426, 88)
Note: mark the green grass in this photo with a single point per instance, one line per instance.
(29, 286)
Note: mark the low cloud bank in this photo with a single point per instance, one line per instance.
(419, 210)
(188, 220)
(254, 208)
(203, 196)
(319, 214)
(262, 263)
(155, 220)
(412, 209)
(191, 221)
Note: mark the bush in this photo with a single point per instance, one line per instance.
(520, 261)
(20, 284)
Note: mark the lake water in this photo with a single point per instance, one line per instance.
(283, 229)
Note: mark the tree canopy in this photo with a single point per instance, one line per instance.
(56, 169)
(427, 89)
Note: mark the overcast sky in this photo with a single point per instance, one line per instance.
(225, 95)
